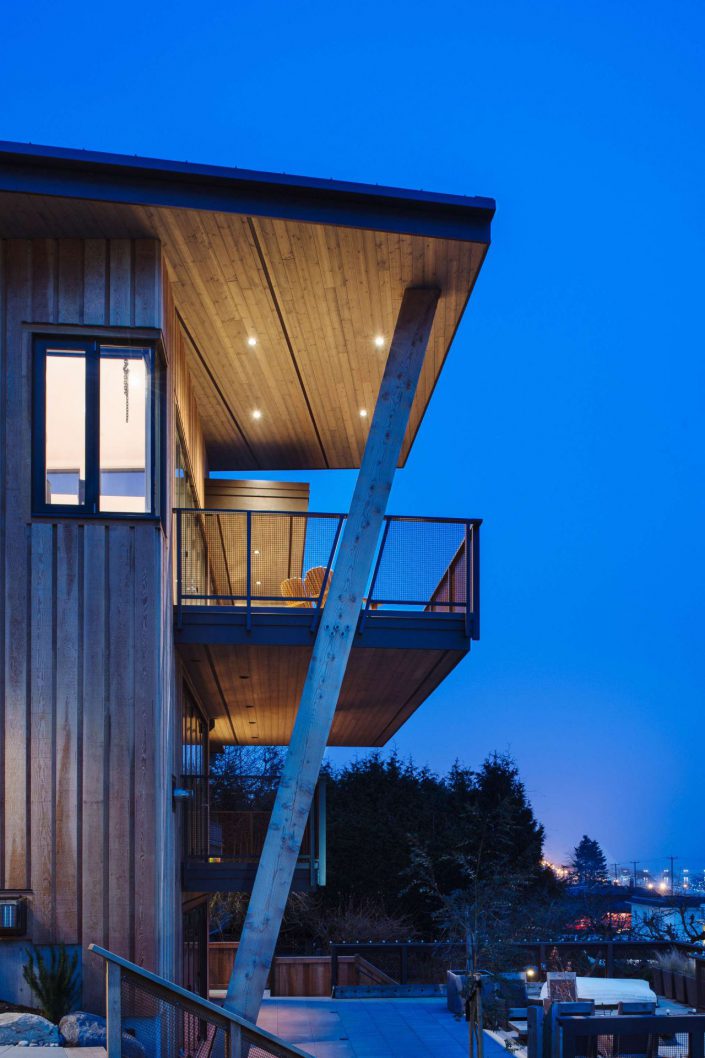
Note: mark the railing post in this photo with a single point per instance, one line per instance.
(534, 1044)
(179, 570)
(319, 607)
(113, 1015)
(609, 961)
(469, 550)
(234, 1043)
(249, 571)
(321, 828)
(333, 968)
(475, 580)
(368, 603)
(404, 965)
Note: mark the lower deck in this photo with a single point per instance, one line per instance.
(371, 1028)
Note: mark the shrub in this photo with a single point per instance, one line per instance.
(54, 981)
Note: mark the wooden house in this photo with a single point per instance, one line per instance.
(160, 322)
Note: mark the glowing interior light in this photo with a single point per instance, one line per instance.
(363, 413)
(379, 340)
(256, 414)
(252, 341)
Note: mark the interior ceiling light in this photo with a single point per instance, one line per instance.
(363, 413)
(252, 341)
(379, 340)
(256, 414)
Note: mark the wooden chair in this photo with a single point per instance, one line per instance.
(314, 583)
(294, 588)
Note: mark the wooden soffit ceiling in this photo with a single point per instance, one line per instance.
(313, 295)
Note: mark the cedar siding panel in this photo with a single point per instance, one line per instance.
(87, 639)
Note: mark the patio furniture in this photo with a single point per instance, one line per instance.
(608, 991)
(640, 1045)
(294, 588)
(314, 583)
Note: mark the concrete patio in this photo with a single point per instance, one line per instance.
(371, 1028)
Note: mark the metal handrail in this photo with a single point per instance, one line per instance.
(234, 1026)
(207, 591)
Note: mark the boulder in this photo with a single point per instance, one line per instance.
(81, 1029)
(27, 1030)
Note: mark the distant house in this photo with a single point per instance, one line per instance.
(162, 322)
(666, 914)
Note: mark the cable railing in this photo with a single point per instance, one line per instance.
(149, 1015)
(262, 561)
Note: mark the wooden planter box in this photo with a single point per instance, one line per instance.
(691, 992)
(455, 983)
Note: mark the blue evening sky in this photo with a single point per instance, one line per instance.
(570, 414)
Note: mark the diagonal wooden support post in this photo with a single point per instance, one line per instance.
(331, 650)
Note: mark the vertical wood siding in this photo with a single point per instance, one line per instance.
(178, 343)
(86, 681)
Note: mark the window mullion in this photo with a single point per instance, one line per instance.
(92, 427)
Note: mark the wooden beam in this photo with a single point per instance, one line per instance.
(330, 653)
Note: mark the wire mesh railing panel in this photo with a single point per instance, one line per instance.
(273, 560)
(149, 1017)
(421, 565)
(290, 556)
(163, 1028)
(636, 1045)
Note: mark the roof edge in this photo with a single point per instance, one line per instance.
(69, 173)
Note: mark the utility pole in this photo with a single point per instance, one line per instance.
(331, 651)
(634, 863)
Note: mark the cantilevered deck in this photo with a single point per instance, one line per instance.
(250, 593)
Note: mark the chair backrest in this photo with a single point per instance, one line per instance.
(632, 1007)
(314, 582)
(561, 987)
(585, 1046)
(294, 588)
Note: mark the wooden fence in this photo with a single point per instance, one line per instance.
(296, 975)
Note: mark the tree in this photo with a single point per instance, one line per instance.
(681, 921)
(245, 777)
(588, 863)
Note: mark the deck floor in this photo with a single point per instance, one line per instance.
(371, 1028)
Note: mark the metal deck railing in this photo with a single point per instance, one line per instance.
(167, 1021)
(233, 830)
(279, 560)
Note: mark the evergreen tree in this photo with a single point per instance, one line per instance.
(588, 863)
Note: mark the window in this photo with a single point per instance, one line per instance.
(95, 428)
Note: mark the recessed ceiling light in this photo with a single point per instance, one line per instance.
(256, 552)
(379, 340)
(258, 584)
(252, 341)
(363, 413)
(256, 414)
